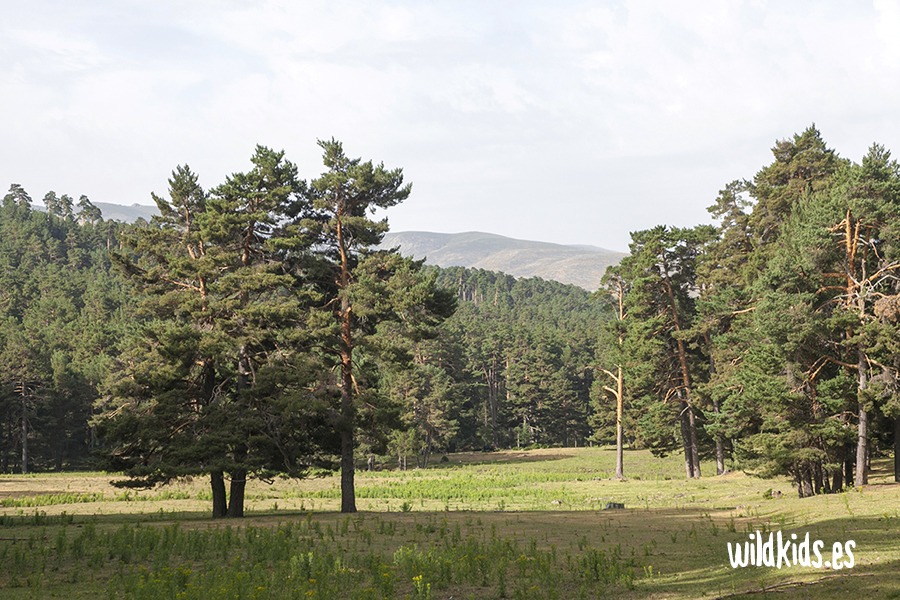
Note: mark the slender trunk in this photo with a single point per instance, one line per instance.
(806, 485)
(348, 417)
(720, 440)
(819, 483)
(4, 456)
(837, 481)
(693, 447)
(236, 495)
(686, 441)
(493, 385)
(721, 469)
(897, 448)
(854, 294)
(348, 413)
(24, 430)
(862, 444)
(217, 482)
(620, 431)
(848, 470)
(239, 474)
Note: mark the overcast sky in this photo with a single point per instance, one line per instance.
(569, 122)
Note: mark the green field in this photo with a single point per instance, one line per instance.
(499, 525)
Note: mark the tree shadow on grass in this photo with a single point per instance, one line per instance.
(874, 574)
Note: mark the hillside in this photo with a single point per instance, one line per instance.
(117, 212)
(578, 265)
(127, 214)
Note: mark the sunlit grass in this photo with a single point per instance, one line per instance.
(506, 524)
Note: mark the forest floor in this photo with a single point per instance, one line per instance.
(515, 524)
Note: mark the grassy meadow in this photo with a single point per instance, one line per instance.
(516, 524)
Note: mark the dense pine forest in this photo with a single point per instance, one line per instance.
(769, 340)
(257, 329)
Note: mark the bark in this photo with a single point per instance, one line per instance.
(492, 379)
(721, 469)
(620, 432)
(348, 414)
(862, 444)
(720, 441)
(695, 446)
(819, 483)
(4, 457)
(897, 448)
(837, 481)
(692, 451)
(848, 470)
(236, 499)
(217, 482)
(24, 431)
(348, 489)
(686, 441)
(854, 295)
(806, 484)
(239, 475)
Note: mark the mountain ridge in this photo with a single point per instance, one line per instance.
(580, 265)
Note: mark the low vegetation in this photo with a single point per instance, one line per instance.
(527, 524)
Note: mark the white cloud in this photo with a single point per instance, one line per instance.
(617, 112)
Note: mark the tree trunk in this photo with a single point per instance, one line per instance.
(492, 379)
(217, 482)
(806, 484)
(720, 441)
(897, 448)
(24, 431)
(4, 456)
(862, 444)
(620, 431)
(818, 479)
(695, 446)
(837, 482)
(686, 441)
(348, 414)
(236, 499)
(848, 470)
(721, 469)
(348, 489)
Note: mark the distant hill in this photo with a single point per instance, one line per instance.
(578, 265)
(117, 212)
(128, 214)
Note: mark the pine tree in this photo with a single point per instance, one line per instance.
(350, 276)
(661, 275)
(196, 394)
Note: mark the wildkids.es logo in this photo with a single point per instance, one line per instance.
(785, 551)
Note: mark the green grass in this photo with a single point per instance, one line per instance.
(499, 525)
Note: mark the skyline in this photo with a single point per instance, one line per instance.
(574, 123)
